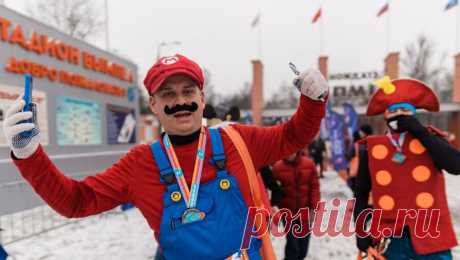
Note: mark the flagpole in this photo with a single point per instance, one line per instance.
(457, 33)
(387, 29)
(107, 45)
(321, 36)
(259, 36)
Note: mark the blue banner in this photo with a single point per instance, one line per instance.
(351, 119)
(323, 133)
(335, 124)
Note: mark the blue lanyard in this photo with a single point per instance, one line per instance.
(190, 195)
(398, 145)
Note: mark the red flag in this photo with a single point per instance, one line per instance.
(383, 10)
(317, 16)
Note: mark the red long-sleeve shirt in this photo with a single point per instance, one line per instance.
(135, 177)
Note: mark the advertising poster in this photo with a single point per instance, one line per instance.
(8, 94)
(121, 125)
(78, 121)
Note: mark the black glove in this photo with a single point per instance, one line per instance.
(412, 125)
(364, 243)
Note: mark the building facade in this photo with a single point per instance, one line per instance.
(87, 101)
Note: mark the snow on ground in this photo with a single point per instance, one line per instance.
(127, 236)
(328, 247)
(453, 197)
(111, 237)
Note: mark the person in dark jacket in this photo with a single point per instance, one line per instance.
(233, 114)
(364, 131)
(272, 184)
(210, 114)
(316, 151)
(300, 187)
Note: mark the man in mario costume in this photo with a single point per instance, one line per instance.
(403, 171)
(191, 185)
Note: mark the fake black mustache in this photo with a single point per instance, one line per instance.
(184, 107)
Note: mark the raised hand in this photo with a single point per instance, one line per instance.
(21, 129)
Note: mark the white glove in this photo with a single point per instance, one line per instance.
(312, 84)
(22, 137)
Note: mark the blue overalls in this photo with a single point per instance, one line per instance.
(219, 234)
(401, 248)
(3, 253)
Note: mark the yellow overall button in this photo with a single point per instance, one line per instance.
(224, 184)
(176, 196)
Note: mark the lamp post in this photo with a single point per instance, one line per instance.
(107, 45)
(163, 44)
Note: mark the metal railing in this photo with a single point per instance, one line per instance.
(39, 220)
(29, 223)
(36, 220)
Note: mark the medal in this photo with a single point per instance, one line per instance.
(191, 215)
(398, 156)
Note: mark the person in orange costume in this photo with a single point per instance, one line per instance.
(403, 170)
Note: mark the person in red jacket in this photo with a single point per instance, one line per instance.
(403, 171)
(158, 178)
(300, 185)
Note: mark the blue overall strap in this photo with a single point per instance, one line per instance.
(218, 154)
(3, 253)
(166, 171)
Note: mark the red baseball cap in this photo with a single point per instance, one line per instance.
(172, 65)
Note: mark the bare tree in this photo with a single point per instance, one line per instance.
(286, 97)
(241, 99)
(417, 60)
(211, 96)
(79, 18)
(144, 107)
(418, 63)
(444, 85)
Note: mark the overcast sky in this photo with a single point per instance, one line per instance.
(218, 34)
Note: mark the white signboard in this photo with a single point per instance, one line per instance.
(354, 87)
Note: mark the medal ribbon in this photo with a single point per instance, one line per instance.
(398, 145)
(190, 196)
